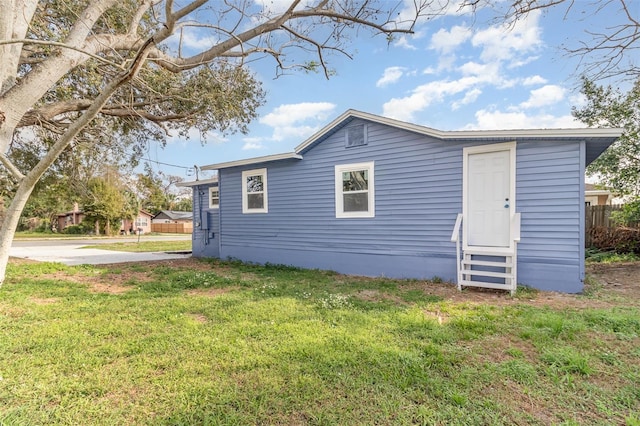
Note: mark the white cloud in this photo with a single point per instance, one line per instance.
(293, 113)
(447, 41)
(390, 75)
(468, 98)
(546, 95)
(251, 146)
(533, 80)
(297, 120)
(252, 143)
(495, 120)
(510, 43)
(403, 43)
(191, 40)
(488, 73)
(426, 95)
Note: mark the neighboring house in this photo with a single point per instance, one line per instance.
(170, 216)
(141, 223)
(596, 197)
(76, 216)
(73, 217)
(374, 196)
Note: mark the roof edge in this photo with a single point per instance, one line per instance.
(197, 182)
(578, 132)
(255, 160)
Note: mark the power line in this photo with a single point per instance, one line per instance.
(167, 164)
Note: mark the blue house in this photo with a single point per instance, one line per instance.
(373, 196)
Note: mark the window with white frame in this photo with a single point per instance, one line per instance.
(254, 191)
(355, 194)
(214, 197)
(141, 222)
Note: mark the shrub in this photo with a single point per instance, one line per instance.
(75, 230)
(628, 215)
(620, 240)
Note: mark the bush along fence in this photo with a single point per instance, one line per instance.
(604, 233)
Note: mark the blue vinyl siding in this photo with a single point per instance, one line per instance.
(414, 214)
(206, 226)
(418, 193)
(548, 177)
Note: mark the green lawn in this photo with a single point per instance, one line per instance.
(202, 342)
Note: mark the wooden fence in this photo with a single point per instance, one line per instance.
(172, 228)
(599, 216)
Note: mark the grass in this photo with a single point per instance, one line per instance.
(224, 343)
(594, 255)
(145, 246)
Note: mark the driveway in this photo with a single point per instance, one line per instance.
(70, 251)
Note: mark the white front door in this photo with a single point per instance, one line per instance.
(489, 193)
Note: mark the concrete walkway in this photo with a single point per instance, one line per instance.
(73, 254)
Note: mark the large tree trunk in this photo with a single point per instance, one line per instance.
(10, 222)
(28, 182)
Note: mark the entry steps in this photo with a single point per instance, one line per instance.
(487, 269)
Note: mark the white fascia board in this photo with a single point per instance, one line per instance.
(574, 133)
(465, 134)
(255, 160)
(197, 182)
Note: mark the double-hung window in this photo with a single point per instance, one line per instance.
(254, 191)
(214, 197)
(355, 194)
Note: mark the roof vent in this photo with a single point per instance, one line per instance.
(356, 136)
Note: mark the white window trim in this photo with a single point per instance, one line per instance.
(339, 169)
(211, 189)
(245, 205)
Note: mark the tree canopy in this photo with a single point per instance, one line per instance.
(72, 70)
(106, 203)
(619, 166)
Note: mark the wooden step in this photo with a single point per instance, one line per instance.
(503, 269)
(488, 253)
(497, 286)
(487, 263)
(487, 273)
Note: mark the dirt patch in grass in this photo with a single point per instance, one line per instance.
(619, 283)
(621, 279)
(436, 315)
(377, 296)
(618, 280)
(43, 301)
(102, 287)
(199, 318)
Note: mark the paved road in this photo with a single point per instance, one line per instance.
(70, 251)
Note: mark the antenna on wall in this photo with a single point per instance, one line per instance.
(196, 169)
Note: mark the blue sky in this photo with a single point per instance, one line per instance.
(455, 72)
